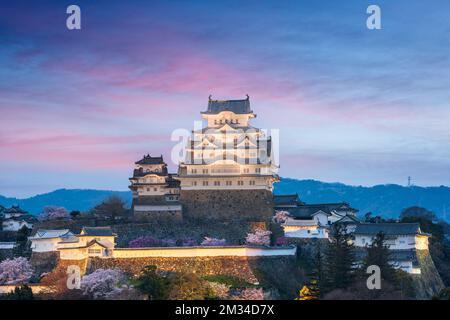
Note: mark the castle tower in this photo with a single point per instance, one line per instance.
(155, 191)
(229, 170)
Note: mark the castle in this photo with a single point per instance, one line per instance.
(227, 173)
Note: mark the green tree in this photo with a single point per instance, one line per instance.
(20, 293)
(378, 254)
(74, 214)
(152, 284)
(339, 261)
(22, 248)
(417, 212)
(315, 286)
(112, 208)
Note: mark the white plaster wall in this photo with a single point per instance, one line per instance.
(401, 242)
(203, 252)
(45, 245)
(299, 232)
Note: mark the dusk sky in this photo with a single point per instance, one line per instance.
(357, 106)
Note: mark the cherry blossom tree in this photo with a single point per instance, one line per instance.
(219, 290)
(259, 237)
(149, 241)
(281, 216)
(213, 242)
(54, 213)
(15, 271)
(252, 294)
(144, 242)
(103, 283)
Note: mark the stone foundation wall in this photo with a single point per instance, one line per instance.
(429, 282)
(249, 205)
(144, 216)
(239, 267)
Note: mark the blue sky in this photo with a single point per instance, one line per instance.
(353, 105)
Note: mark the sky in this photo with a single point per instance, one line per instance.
(353, 105)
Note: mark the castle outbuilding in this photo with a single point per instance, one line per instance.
(155, 191)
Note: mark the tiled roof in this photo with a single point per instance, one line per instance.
(286, 199)
(97, 231)
(236, 106)
(388, 228)
(25, 217)
(171, 182)
(49, 234)
(302, 223)
(148, 159)
(14, 209)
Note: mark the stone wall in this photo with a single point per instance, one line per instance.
(429, 282)
(43, 262)
(147, 216)
(240, 267)
(249, 205)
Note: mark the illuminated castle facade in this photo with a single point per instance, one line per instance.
(228, 171)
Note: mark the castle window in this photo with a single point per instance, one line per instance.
(240, 183)
(205, 183)
(194, 183)
(252, 182)
(148, 189)
(194, 170)
(205, 171)
(217, 183)
(155, 189)
(258, 170)
(246, 170)
(229, 183)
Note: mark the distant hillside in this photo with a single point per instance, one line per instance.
(73, 199)
(384, 200)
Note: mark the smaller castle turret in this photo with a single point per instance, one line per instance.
(155, 191)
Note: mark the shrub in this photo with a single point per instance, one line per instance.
(153, 285)
(188, 286)
(20, 293)
(230, 281)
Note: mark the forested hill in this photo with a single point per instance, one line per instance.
(384, 200)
